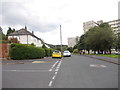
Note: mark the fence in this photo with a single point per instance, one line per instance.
(4, 50)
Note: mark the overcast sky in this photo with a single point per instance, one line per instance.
(44, 17)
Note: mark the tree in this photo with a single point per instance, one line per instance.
(70, 49)
(13, 40)
(99, 38)
(43, 46)
(10, 30)
(2, 35)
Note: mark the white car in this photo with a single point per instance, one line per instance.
(66, 53)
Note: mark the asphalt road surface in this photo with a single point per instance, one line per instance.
(70, 72)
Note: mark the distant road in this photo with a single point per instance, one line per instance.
(71, 72)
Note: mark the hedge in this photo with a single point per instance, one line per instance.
(48, 52)
(22, 51)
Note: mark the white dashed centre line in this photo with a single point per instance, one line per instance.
(50, 84)
(53, 65)
(56, 71)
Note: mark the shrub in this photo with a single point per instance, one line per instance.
(75, 51)
(22, 51)
(48, 52)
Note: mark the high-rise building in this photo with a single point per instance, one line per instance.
(90, 24)
(115, 25)
(72, 41)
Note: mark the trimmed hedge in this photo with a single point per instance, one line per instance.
(22, 51)
(48, 52)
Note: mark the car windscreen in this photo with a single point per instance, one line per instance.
(66, 51)
(56, 51)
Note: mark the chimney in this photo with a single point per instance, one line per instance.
(32, 32)
(25, 28)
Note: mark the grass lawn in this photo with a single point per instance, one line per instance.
(110, 55)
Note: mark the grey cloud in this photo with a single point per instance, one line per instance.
(17, 14)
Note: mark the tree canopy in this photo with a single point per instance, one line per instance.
(98, 38)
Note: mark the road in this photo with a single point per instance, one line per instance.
(70, 72)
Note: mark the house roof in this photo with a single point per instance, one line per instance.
(24, 32)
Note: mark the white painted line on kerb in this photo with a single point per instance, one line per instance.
(50, 83)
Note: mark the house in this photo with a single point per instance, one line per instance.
(26, 37)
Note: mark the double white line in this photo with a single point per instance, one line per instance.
(56, 71)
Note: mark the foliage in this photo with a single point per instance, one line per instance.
(70, 49)
(64, 48)
(111, 55)
(13, 40)
(10, 30)
(98, 38)
(32, 44)
(22, 51)
(75, 51)
(2, 35)
(43, 46)
(48, 51)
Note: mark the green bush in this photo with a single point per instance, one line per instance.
(75, 51)
(22, 51)
(48, 52)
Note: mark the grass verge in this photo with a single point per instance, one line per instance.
(110, 55)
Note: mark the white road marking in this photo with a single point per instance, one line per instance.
(54, 77)
(50, 83)
(26, 70)
(56, 73)
(58, 66)
(103, 66)
(97, 65)
(53, 65)
(56, 69)
(50, 69)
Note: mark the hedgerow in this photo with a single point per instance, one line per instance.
(22, 51)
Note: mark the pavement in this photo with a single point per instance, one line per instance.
(107, 59)
(70, 72)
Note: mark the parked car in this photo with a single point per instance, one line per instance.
(56, 54)
(66, 53)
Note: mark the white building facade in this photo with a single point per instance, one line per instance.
(26, 37)
(90, 24)
(115, 25)
(72, 41)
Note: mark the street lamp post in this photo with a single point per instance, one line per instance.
(61, 38)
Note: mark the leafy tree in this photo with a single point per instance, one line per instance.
(75, 51)
(10, 30)
(43, 46)
(14, 40)
(2, 35)
(70, 49)
(32, 44)
(98, 38)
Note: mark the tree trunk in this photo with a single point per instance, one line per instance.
(98, 51)
(94, 52)
(88, 52)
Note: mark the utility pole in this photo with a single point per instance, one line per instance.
(61, 38)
